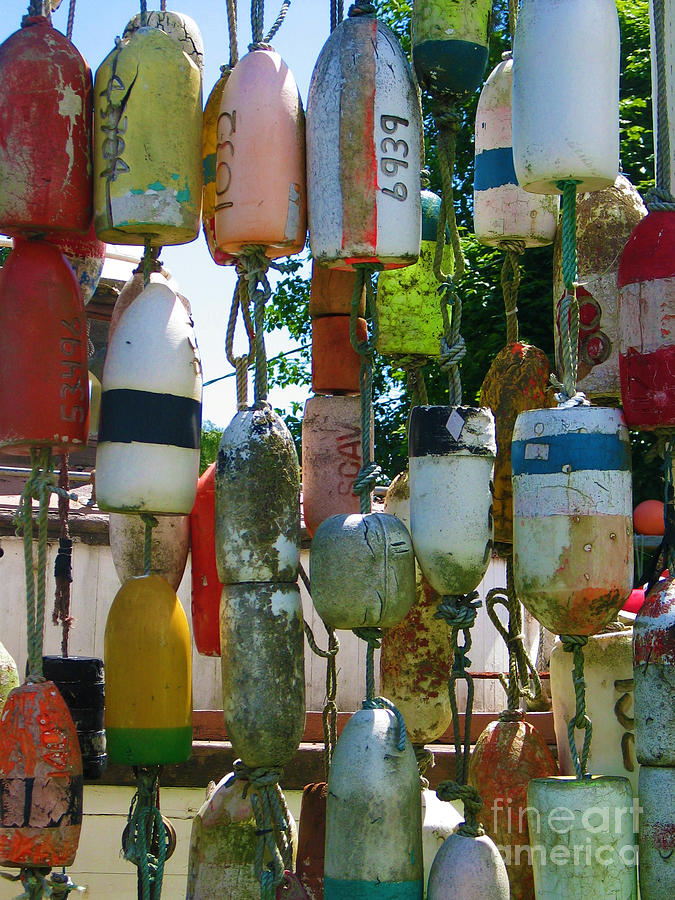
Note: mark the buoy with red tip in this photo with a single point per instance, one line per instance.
(41, 308)
(206, 588)
(169, 546)
(150, 409)
(45, 132)
(363, 149)
(261, 130)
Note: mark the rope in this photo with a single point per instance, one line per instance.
(575, 644)
(71, 20)
(425, 760)
(273, 828)
(660, 199)
(144, 12)
(510, 279)
(36, 8)
(513, 19)
(369, 472)
(362, 8)
(373, 637)
(258, 24)
(62, 885)
(668, 545)
(459, 613)
(162, 6)
(232, 31)
(330, 709)
(145, 832)
(63, 575)
(150, 262)
(240, 300)
(337, 11)
(413, 365)
(150, 522)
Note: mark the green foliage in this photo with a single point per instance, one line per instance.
(4, 253)
(211, 435)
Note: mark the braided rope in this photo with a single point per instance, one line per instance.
(258, 24)
(373, 637)
(144, 12)
(413, 365)
(661, 199)
(240, 300)
(254, 264)
(145, 826)
(71, 20)
(336, 13)
(513, 19)
(232, 31)
(669, 508)
(330, 710)
(510, 279)
(575, 644)
(150, 261)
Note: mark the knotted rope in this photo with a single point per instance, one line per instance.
(257, 24)
(660, 199)
(373, 637)
(36, 886)
(150, 262)
(63, 575)
(145, 832)
(413, 366)
(575, 644)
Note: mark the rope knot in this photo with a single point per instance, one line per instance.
(256, 777)
(366, 479)
(451, 355)
(660, 200)
(362, 8)
(459, 610)
(452, 790)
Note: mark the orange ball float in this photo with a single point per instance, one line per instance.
(648, 517)
(335, 363)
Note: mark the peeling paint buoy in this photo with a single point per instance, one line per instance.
(657, 832)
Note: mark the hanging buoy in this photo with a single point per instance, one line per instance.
(9, 675)
(648, 518)
(45, 132)
(654, 675)
(148, 704)
(85, 255)
(331, 458)
(608, 670)
(147, 459)
(261, 196)
(145, 186)
(262, 641)
(470, 868)
(133, 288)
(647, 354)
(42, 316)
(416, 654)
(209, 148)
(335, 363)
(41, 778)
(312, 839)
(169, 546)
(363, 150)
(517, 379)
(206, 588)
(452, 452)
(561, 129)
(81, 682)
(506, 756)
(605, 220)
(583, 841)
(331, 292)
(450, 44)
(572, 516)
(503, 211)
(178, 26)
(657, 832)
(439, 821)
(257, 529)
(363, 571)
(373, 781)
(408, 311)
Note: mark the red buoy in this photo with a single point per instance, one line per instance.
(648, 517)
(206, 587)
(45, 132)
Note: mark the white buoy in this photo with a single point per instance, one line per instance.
(439, 821)
(468, 868)
(657, 833)
(169, 548)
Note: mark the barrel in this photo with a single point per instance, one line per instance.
(605, 220)
(312, 839)
(148, 661)
(452, 452)
(572, 516)
(147, 459)
(262, 642)
(335, 363)
(178, 26)
(9, 675)
(209, 148)
(363, 150)
(470, 868)
(40, 779)
(584, 843)
(372, 781)
(561, 129)
(362, 570)
(332, 291)
(257, 530)
(45, 132)
(608, 670)
(206, 588)
(657, 832)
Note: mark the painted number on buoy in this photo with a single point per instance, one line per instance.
(349, 448)
(390, 164)
(227, 126)
(72, 388)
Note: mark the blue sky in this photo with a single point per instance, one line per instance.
(207, 286)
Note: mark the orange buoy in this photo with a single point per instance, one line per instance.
(648, 517)
(209, 147)
(44, 385)
(206, 587)
(40, 779)
(335, 363)
(45, 132)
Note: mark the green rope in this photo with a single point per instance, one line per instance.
(240, 300)
(34, 882)
(337, 11)
(459, 613)
(253, 265)
(150, 522)
(369, 472)
(373, 637)
(510, 279)
(330, 709)
(150, 262)
(575, 644)
(36, 8)
(146, 827)
(660, 199)
(513, 19)
(668, 509)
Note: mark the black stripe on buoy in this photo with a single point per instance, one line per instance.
(144, 417)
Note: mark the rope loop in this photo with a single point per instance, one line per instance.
(254, 265)
(373, 637)
(660, 200)
(240, 301)
(574, 643)
(257, 24)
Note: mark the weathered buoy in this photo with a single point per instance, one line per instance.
(150, 409)
(362, 570)
(148, 661)
(206, 588)
(506, 756)
(332, 291)
(452, 452)
(647, 295)
(572, 516)
(331, 457)
(502, 210)
(312, 839)
(145, 186)
(408, 308)
(450, 44)
(363, 150)
(372, 781)
(335, 363)
(262, 644)
(209, 148)
(81, 682)
(416, 655)
(85, 255)
(517, 379)
(582, 837)
(654, 676)
(41, 308)
(45, 132)
(439, 821)
(608, 670)
(169, 546)
(41, 778)
(269, 208)
(561, 129)
(470, 868)
(657, 832)
(9, 675)
(257, 529)
(178, 26)
(605, 220)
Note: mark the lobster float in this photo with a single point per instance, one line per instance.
(206, 586)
